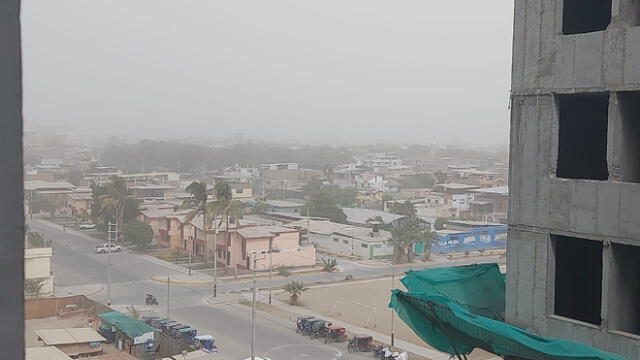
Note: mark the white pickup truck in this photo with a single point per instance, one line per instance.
(104, 248)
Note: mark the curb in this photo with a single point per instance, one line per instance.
(163, 280)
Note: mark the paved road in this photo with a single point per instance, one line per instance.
(76, 265)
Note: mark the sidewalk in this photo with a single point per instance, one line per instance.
(385, 339)
(195, 279)
(86, 290)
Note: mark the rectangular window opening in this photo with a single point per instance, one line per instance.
(624, 296)
(584, 16)
(582, 147)
(578, 278)
(629, 107)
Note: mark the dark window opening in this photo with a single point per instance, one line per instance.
(629, 105)
(624, 296)
(582, 147)
(578, 278)
(583, 16)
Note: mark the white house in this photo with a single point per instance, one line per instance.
(37, 266)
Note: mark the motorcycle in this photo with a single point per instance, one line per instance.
(151, 300)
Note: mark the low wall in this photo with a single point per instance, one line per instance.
(303, 256)
(48, 307)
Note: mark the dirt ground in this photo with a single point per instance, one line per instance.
(363, 297)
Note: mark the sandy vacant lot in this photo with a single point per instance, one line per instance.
(366, 296)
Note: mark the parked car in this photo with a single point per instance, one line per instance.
(87, 226)
(104, 248)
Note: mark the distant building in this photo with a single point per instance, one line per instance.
(286, 207)
(371, 182)
(269, 245)
(345, 239)
(241, 191)
(279, 166)
(454, 188)
(79, 203)
(153, 191)
(379, 160)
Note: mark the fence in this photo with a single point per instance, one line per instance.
(63, 306)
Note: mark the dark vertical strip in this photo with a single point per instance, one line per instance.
(11, 193)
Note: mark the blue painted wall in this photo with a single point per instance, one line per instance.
(490, 237)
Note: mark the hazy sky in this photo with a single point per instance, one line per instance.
(311, 71)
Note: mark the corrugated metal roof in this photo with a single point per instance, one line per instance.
(360, 216)
(68, 336)
(45, 353)
(318, 226)
(130, 326)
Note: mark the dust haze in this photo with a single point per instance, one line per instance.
(328, 71)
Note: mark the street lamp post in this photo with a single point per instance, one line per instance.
(393, 284)
(215, 263)
(270, 268)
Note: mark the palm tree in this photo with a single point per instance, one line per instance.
(295, 289)
(198, 205)
(223, 206)
(118, 202)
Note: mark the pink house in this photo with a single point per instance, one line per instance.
(264, 246)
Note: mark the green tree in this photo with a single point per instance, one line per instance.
(97, 191)
(33, 287)
(343, 197)
(137, 233)
(198, 204)
(378, 223)
(440, 223)
(441, 177)
(117, 202)
(406, 208)
(324, 205)
(407, 235)
(75, 176)
(295, 289)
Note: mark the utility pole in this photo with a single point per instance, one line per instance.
(215, 261)
(253, 307)
(253, 310)
(393, 284)
(270, 268)
(110, 227)
(168, 292)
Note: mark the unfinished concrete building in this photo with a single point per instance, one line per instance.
(574, 212)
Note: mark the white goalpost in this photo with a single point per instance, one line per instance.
(371, 316)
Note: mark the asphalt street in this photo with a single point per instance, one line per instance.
(75, 265)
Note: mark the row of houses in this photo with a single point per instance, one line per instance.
(247, 245)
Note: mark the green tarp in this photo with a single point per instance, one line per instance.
(458, 309)
(128, 325)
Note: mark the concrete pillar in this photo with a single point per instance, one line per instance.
(11, 183)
